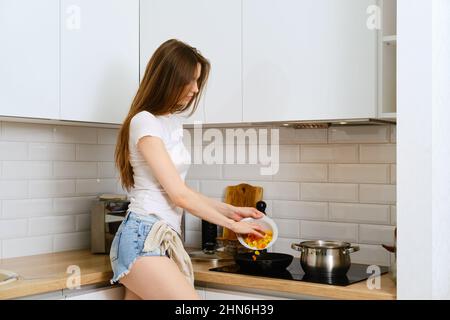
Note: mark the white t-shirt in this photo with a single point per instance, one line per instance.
(148, 196)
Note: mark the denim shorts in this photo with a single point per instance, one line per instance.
(128, 243)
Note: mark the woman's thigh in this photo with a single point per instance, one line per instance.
(158, 278)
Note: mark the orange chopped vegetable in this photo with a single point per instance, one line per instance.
(254, 258)
(260, 243)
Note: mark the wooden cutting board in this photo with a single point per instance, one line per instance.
(241, 195)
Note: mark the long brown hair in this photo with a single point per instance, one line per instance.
(170, 69)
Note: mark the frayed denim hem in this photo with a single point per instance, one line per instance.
(115, 280)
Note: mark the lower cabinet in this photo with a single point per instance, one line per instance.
(224, 294)
(105, 293)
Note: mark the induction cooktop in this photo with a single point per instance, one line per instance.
(356, 273)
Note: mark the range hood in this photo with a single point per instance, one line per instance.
(306, 124)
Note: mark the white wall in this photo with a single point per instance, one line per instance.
(423, 150)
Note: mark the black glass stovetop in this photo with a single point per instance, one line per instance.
(356, 273)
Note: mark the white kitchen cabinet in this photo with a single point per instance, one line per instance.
(225, 294)
(214, 28)
(308, 60)
(29, 58)
(387, 61)
(105, 293)
(99, 59)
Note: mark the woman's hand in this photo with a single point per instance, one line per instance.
(244, 227)
(238, 213)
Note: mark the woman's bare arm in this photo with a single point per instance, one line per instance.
(156, 156)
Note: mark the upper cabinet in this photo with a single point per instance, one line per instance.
(29, 58)
(214, 28)
(99, 59)
(387, 61)
(308, 60)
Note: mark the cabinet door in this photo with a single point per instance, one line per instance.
(214, 28)
(29, 58)
(308, 60)
(221, 294)
(109, 293)
(99, 59)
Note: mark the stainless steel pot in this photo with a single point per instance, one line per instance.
(328, 258)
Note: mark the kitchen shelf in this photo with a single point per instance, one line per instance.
(390, 39)
(387, 61)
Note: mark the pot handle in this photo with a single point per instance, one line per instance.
(351, 249)
(297, 247)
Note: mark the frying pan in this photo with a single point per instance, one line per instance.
(265, 262)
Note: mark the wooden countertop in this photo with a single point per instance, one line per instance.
(49, 272)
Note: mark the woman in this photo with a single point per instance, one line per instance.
(145, 254)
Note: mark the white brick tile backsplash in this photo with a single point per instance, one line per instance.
(16, 131)
(16, 228)
(300, 210)
(393, 174)
(89, 186)
(13, 150)
(107, 170)
(283, 245)
(193, 184)
(393, 133)
(73, 205)
(107, 136)
(51, 225)
(359, 134)
(360, 213)
(394, 215)
(336, 183)
(302, 136)
(13, 189)
(329, 153)
(376, 193)
(289, 153)
(72, 169)
(279, 190)
(51, 188)
(371, 254)
(193, 223)
(205, 171)
(27, 246)
(72, 241)
(359, 173)
(329, 231)
(377, 153)
(83, 222)
(26, 170)
(304, 172)
(329, 192)
(372, 234)
(288, 228)
(70, 134)
(193, 239)
(271, 190)
(24, 208)
(244, 172)
(86, 152)
(51, 151)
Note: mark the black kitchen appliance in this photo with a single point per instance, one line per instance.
(209, 237)
(356, 273)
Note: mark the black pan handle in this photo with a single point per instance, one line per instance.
(261, 206)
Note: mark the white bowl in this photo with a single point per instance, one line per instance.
(267, 224)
